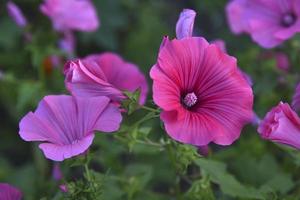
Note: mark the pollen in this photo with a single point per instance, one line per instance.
(190, 99)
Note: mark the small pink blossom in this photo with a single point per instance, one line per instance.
(281, 125)
(269, 22)
(16, 14)
(185, 24)
(203, 95)
(8, 192)
(77, 15)
(105, 74)
(65, 125)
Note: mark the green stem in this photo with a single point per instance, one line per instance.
(150, 109)
(87, 172)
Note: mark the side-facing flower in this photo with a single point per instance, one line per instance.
(203, 95)
(281, 125)
(105, 74)
(71, 14)
(16, 14)
(268, 22)
(65, 125)
(185, 24)
(8, 192)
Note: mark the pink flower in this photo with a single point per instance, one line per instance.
(8, 192)
(66, 124)
(221, 44)
(105, 74)
(203, 96)
(281, 125)
(16, 14)
(71, 14)
(185, 23)
(296, 99)
(269, 22)
(282, 61)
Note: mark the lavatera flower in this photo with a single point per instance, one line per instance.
(104, 74)
(65, 125)
(203, 96)
(79, 15)
(269, 22)
(281, 125)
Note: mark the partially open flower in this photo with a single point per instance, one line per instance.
(105, 74)
(281, 125)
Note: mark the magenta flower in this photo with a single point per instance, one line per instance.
(66, 124)
(281, 125)
(16, 14)
(203, 95)
(71, 14)
(105, 74)
(269, 22)
(8, 192)
(185, 23)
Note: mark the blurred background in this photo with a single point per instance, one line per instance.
(134, 29)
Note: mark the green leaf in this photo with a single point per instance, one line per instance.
(227, 182)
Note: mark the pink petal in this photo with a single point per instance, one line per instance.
(16, 14)
(185, 23)
(71, 14)
(109, 120)
(61, 152)
(281, 125)
(121, 75)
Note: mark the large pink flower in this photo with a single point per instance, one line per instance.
(281, 125)
(8, 192)
(269, 22)
(71, 14)
(203, 95)
(66, 124)
(105, 74)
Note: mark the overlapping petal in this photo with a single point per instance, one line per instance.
(281, 125)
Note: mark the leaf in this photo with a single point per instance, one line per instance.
(227, 182)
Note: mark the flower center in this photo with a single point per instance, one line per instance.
(288, 19)
(190, 99)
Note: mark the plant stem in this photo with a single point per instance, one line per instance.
(87, 172)
(150, 109)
